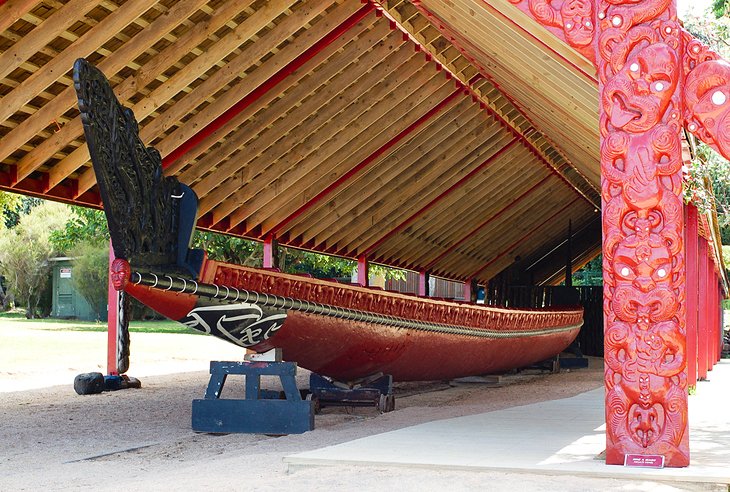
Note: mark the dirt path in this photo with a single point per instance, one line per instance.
(141, 439)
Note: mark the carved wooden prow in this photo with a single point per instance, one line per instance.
(151, 217)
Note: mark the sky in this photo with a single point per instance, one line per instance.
(684, 5)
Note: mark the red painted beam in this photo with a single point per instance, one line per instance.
(38, 187)
(494, 114)
(443, 195)
(366, 162)
(481, 226)
(287, 70)
(692, 291)
(522, 240)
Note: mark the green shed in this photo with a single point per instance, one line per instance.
(67, 302)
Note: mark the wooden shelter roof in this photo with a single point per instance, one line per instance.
(452, 137)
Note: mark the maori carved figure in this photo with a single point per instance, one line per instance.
(570, 19)
(640, 73)
(707, 98)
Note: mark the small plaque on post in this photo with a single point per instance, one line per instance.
(644, 460)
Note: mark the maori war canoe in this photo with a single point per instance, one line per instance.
(338, 330)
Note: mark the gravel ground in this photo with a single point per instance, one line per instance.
(140, 439)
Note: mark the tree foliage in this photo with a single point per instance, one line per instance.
(25, 251)
(89, 226)
(591, 274)
(90, 279)
(83, 226)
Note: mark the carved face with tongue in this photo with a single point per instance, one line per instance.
(638, 96)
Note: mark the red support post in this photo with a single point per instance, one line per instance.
(691, 238)
(112, 322)
(270, 252)
(423, 278)
(640, 65)
(703, 308)
(467, 290)
(363, 271)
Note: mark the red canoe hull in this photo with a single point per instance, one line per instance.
(491, 340)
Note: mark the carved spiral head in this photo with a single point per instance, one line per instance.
(707, 98)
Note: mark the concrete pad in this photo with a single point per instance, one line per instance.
(556, 437)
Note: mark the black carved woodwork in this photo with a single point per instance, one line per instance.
(151, 217)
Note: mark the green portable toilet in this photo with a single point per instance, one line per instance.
(67, 302)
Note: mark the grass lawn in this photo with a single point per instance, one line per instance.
(17, 318)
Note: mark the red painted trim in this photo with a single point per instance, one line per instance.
(433, 202)
(112, 322)
(522, 240)
(37, 187)
(290, 68)
(481, 226)
(363, 271)
(692, 288)
(365, 163)
(468, 89)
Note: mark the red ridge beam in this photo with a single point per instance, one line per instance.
(287, 70)
(366, 162)
(433, 202)
(481, 226)
(525, 238)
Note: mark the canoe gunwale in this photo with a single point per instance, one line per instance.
(223, 293)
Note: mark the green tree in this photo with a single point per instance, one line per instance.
(25, 251)
(83, 225)
(90, 279)
(720, 8)
(591, 274)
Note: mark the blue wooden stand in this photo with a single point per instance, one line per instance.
(258, 413)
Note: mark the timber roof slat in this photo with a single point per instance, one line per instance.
(331, 127)
(385, 175)
(343, 134)
(273, 104)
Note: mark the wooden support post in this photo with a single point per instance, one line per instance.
(569, 257)
(639, 57)
(112, 322)
(468, 289)
(363, 271)
(691, 239)
(423, 278)
(703, 307)
(271, 252)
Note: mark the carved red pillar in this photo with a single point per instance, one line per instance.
(692, 288)
(640, 73)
